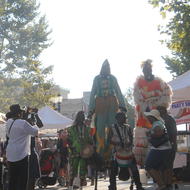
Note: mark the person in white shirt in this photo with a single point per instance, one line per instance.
(19, 134)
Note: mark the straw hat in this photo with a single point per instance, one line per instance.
(155, 113)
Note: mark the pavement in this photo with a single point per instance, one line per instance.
(121, 185)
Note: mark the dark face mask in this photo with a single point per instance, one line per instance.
(105, 70)
(147, 71)
(80, 117)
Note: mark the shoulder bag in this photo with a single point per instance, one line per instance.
(7, 138)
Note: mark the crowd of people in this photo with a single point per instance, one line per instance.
(102, 140)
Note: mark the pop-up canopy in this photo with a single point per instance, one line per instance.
(2, 118)
(2, 126)
(180, 108)
(181, 87)
(52, 119)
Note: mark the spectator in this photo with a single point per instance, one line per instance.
(1, 148)
(31, 115)
(38, 145)
(19, 133)
(62, 147)
(160, 151)
(172, 134)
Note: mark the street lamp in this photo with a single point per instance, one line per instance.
(57, 102)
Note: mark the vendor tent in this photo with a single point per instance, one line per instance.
(2, 118)
(2, 126)
(180, 107)
(52, 119)
(181, 87)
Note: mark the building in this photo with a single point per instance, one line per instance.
(69, 107)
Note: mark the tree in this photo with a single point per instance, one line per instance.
(9, 93)
(23, 36)
(130, 107)
(177, 31)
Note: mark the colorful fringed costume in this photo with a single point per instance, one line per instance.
(77, 137)
(147, 96)
(105, 100)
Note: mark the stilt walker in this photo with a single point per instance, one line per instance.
(106, 100)
(149, 92)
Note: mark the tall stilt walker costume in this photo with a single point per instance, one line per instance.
(149, 92)
(105, 101)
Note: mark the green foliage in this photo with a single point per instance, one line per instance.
(178, 33)
(129, 96)
(9, 92)
(130, 107)
(23, 36)
(131, 115)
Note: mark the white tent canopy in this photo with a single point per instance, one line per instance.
(2, 131)
(52, 119)
(2, 118)
(180, 108)
(181, 87)
(2, 126)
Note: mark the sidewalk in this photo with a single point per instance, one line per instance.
(121, 185)
(125, 185)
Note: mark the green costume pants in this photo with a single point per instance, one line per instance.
(78, 163)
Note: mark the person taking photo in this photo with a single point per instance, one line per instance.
(19, 133)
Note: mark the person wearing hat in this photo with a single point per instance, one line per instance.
(19, 134)
(80, 146)
(150, 91)
(171, 127)
(160, 150)
(31, 115)
(121, 137)
(105, 101)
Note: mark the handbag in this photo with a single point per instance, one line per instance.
(87, 151)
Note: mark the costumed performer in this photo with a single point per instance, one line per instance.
(105, 101)
(123, 160)
(78, 138)
(149, 92)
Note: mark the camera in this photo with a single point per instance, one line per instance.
(31, 115)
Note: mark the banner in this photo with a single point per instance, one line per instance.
(181, 111)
